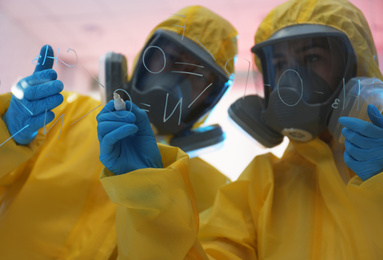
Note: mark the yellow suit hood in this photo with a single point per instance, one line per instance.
(208, 30)
(339, 14)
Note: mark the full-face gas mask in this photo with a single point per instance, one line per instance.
(304, 68)
(177, 83)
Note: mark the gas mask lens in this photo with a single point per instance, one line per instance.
(178, 77)
(177, 71)
(303, 67)
(302, 77)
(308, 69)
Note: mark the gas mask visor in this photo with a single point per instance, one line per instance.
(303, 68)
(177, 82)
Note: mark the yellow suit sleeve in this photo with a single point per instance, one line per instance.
(206, 181)
(367, 197)
(227, 230)
(157, 216)
(13, 155)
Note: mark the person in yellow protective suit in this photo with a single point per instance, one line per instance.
(53, 205)
(295, 207)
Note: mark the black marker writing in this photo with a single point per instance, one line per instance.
(71, 66)
(55, 58)
(205, 48)
(184, 26)
(166, 105)
(163, 54)
(199, 95)
(85, 115)
(290, 70)
(336, 103)
(14, 135)
(147, 105)
(248, 71)
(62, 123)
(191, 64)
(18, 101)
(92, 76)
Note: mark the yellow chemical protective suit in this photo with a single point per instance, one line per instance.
(296, 207)
(53, 205)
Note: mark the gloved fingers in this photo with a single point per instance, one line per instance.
(375, 116)
(363, 155)
(117, 116)
(142, 121)
(106, 127)
(44, 62)
(40, 106)
(41, 77)
(35, 79)
(110, 139)
(360, 140)
(362, 127)
(24, 137)
(43, 90)
(109, 107)
(39, 121)
(354, 165)
(31, 125)
(364, 170)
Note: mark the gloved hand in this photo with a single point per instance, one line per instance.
(127, 142)
(37, 93)
(364, 143)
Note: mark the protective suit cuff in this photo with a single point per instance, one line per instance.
(13, 155)
(170, 154)
(106, 173)
(374, 182)
(135, 186)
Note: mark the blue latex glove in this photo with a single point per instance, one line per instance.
(37, 93)
(364, 143)
(127, 142)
